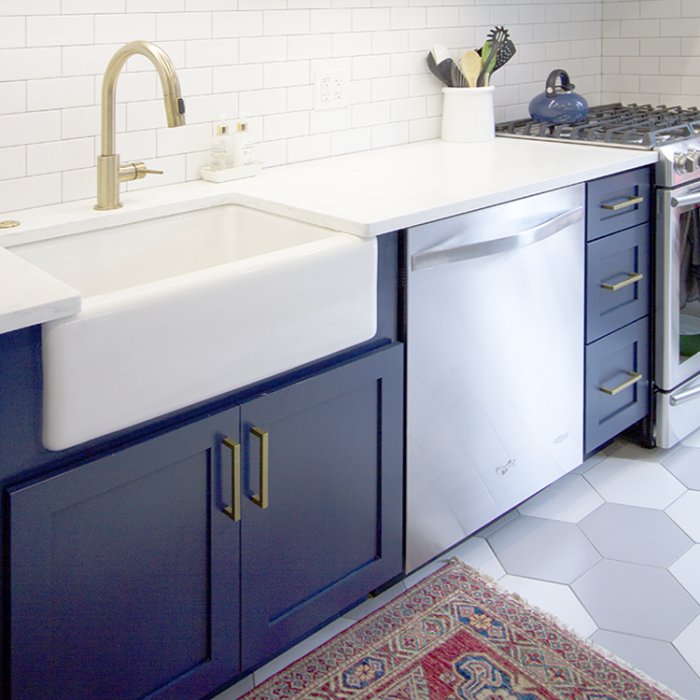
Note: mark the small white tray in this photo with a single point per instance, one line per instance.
(229, 174)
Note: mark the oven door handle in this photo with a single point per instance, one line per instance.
(685, 200)
(433, 258)
(684, 396)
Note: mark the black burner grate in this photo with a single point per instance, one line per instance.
(640, 126)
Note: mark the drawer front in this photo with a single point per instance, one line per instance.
(618, 202)
(616, 396)
(617, 281)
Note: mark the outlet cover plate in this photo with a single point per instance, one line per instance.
(331, 89)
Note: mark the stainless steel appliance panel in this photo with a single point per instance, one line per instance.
(495, 357)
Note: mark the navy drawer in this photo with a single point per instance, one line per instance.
(617, 281)
(618, 202)
(616, 395)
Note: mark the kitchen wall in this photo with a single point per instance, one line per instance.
(259, 56)
(651, 52)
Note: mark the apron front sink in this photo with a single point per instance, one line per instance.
(183, 308)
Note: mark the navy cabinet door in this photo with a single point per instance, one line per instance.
(124, 573)
(332, 528)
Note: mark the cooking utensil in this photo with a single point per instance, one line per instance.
(505, 53)
(495, 40)
(471, 67)
(440, 64)
(458, 78)
(558, 104)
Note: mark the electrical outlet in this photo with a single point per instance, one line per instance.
(331, 89)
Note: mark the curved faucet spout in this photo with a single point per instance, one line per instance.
(109, 171)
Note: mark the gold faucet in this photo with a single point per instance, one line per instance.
(109, 172)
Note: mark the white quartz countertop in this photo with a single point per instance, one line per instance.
(365, 194)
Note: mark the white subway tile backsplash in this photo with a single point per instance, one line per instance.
(13, 162)
(376, 19)
(122, 28)
(28, 192)
(60, 30)
(259, 57)
(263, 49)
(175, 26)
(27, 64)
(213, 52)
(13, 97)
(286, 74)
(57, 93)
(285, 22)
(60, 155)
(12, 32)
(30, 127)
(237, 24)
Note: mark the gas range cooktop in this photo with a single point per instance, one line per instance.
(627, 126)
(674, 132)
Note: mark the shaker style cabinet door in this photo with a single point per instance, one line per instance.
(124, 573)
(330, 530)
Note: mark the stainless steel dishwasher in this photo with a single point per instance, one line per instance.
(495, 362)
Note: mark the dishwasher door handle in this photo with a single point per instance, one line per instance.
(469, 251)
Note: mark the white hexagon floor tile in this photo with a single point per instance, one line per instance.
(545, 549)
(684, 464)
(687, 570)
(637, 535)
(555, 599)
(688, 643)
(645, 601)
(568, 499)
(476, 552)
(686, 512)
(634, 483)
(658, 660)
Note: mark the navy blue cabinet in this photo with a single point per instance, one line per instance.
(129, 577)
(617, 391)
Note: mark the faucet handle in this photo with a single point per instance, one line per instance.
(135, 171)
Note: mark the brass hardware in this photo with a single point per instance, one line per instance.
(261, 499)
(634, 378)
(633, 277)
(109, 172)
(622, 205)
(234, 510)
(10, 223)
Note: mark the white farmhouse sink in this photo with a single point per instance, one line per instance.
(186, 307)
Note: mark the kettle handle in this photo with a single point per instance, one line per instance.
(566, 84)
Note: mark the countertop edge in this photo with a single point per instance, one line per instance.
(31, 296)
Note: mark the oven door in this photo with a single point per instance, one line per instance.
(677, 286)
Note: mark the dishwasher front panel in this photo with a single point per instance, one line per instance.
(495, 361)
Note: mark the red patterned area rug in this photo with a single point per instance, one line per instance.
(457, 636)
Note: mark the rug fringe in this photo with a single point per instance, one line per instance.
(552, 619)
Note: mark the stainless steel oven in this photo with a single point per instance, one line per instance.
(677, 371)
(674, 133)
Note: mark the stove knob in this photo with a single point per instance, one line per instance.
(683, 163)
(694, 157)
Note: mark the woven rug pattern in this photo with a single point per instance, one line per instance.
(458, 636)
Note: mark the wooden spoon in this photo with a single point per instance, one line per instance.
(471, 67)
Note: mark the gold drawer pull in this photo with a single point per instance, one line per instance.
(633, 277)
(234, 510)
(261, 498)
(634, 378)
(622, 205)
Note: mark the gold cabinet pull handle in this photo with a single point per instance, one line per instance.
(622, 205)
(260, 499)
(633, 277)
(234, 510)
(634, 378)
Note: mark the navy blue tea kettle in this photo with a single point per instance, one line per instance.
(558, 104)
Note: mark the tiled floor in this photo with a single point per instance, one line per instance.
(612, 549)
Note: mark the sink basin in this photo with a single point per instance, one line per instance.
(182, 308)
